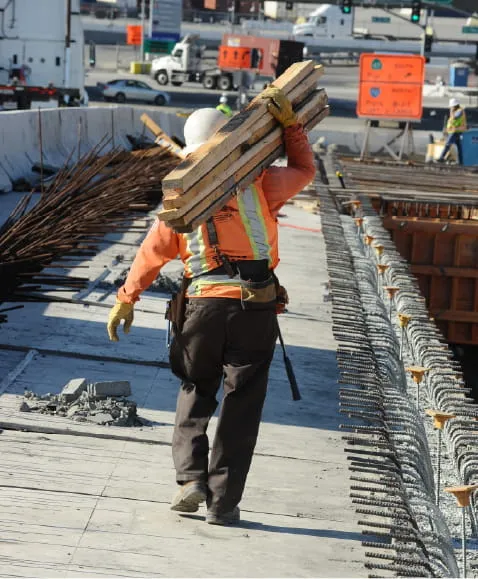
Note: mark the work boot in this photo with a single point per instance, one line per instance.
(189, 497)
(231, 518)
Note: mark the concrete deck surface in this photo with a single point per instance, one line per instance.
(88, 501)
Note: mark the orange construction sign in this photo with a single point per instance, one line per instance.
(133, 34)
(391, 86)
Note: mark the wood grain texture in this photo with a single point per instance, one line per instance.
(236, 130)
(243, 172)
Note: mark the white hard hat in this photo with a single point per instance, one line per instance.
(201, 125)
(453, 103)
(223, 99)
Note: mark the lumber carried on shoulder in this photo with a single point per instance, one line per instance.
(239, 151)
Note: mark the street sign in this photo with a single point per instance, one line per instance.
(134, 33)
(391, 86)
(381, 19)
(470, 29)
(165, 19)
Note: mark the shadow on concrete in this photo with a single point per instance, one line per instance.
(323, 533)
(86, 352)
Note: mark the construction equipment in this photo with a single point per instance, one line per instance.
(239, 151)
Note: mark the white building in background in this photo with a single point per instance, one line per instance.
(277, 10)
(32, 39)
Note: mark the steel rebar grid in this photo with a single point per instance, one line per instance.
(444, 385)
(341, 276)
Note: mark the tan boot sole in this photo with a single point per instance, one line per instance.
(189, 501)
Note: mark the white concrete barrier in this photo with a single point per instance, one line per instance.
(53, 150)
(352, 142)
(17, 143)
(68, 131)
(123, 120)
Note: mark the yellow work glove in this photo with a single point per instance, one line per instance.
(279, 106)
(118, 312)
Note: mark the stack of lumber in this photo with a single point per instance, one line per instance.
(237, 154)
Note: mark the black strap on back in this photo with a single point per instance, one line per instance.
(214, 241)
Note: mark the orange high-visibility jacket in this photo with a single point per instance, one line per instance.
(246, 230)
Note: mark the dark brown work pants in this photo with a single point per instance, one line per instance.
(220, 340)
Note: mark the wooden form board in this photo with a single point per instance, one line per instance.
(440, 242)
(239, 151)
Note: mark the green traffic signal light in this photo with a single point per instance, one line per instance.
(415, 17)
(346, 9)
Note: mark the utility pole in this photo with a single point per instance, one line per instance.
(143, 18)
(68, 44)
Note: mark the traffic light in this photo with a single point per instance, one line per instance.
(416, 11)
(346, 6)
(427, 43)
(289, 5)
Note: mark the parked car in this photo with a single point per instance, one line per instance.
(121, 90)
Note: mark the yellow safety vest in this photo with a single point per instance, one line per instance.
(226, 109)
(456, 124)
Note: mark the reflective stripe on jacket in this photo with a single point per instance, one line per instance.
(246, 230)
(456, 121)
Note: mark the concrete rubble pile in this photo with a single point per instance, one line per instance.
(103, 403)
(162, 284)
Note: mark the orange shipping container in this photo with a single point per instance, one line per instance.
(239, 57)
(268, 49)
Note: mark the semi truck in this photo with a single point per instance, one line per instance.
(41, 53)
(239, 57)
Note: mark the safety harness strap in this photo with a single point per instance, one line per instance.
(214, 241)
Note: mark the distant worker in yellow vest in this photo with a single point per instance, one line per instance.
(455, 128)
(223, 106)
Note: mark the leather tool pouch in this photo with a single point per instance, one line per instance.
(258, 295)
(282, 296)
(177, 306)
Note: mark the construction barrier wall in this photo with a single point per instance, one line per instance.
(53, 135)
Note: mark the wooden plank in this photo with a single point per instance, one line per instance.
(455, 316)
(444, 271)
(233, 132)
(161, 138)
(411, 224)
(240, 169)
(175, 199)
(249, 178)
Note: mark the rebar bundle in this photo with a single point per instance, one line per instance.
(99, 194)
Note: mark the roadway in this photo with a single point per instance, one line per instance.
(341, 83)
(114, 31)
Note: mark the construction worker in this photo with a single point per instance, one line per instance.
(223, 106)
(455, 127)
(229, 328)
